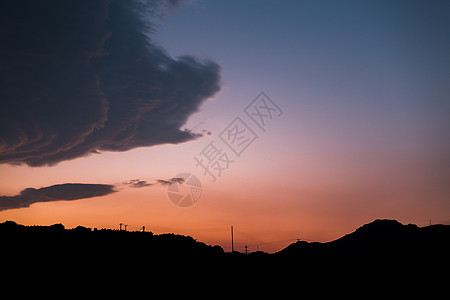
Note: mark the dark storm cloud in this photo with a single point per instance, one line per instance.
(57, 192)
(79, 77)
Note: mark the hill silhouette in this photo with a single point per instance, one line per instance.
(378, 240)
(83, 243)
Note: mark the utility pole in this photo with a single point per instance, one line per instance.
(246, 250)
(232, 241)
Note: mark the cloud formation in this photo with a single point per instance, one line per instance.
(170, 181)
(81, 77)
(137, 183)
(57, 192)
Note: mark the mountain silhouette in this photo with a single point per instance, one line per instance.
(379, 240)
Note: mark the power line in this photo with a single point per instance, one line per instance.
(249, 236)
(256, 241)
(245, 239)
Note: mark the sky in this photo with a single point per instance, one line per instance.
(286, 119)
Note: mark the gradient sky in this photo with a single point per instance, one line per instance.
(364, 87)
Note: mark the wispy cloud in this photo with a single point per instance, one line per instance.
(137, 183)
(170, 181)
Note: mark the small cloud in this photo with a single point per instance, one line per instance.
(57, 192)
(137, 183)
(164, 182)
(170, 181)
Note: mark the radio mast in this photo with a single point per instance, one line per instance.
(232, 241)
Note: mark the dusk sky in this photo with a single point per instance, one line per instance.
(321, 115)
